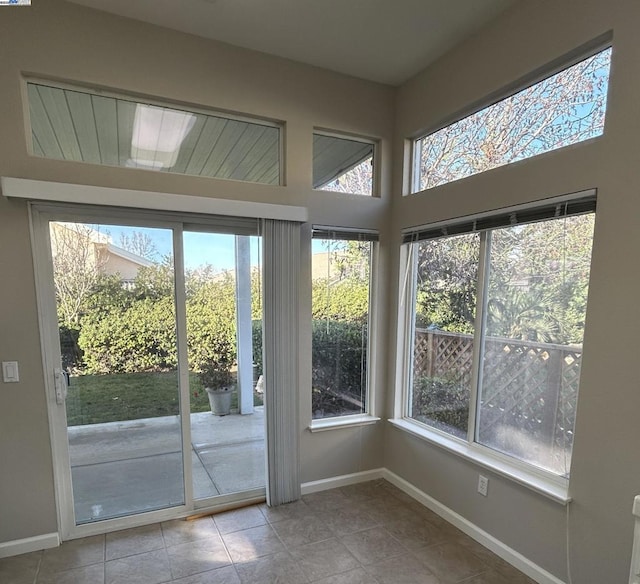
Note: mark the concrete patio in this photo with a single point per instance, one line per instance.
(120, 468)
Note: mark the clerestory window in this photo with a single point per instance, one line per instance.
(563, 109)
(83, 125)
(343, 165)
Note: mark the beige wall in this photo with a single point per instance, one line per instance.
(68, 42)
(605, 473)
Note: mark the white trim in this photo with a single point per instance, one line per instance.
(373, 342)
(50, 348)
(184, 394)
(551, 486)
(342, 480)
(405, 330)
(20, 188)
(29, 544)
(516, 559)
(224, 503)
(343, 422)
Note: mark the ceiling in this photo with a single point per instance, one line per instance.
(387, 41)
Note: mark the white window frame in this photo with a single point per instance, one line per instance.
(367, 417)
(547, 483)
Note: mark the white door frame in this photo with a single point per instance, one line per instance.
(40, 215)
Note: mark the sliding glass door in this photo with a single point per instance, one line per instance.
(153, 353)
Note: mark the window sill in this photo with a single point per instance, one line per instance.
(345, 422)
(553, 487)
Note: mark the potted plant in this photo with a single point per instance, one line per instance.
(217, 380)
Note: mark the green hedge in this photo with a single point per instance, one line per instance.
(139, 337)
(441, 403)
(339, 367)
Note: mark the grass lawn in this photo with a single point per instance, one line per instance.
(94, 399)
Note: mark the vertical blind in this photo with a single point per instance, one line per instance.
(281, 241)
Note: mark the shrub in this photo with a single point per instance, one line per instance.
(346, 300)
(70, 351)
(441, 402)
(141, 337)
(216, 373)
(211, 323)
(256, 337)
(338, 365)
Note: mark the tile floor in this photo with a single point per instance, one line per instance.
(370, 533)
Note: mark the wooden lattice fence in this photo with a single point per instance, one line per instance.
(526, 385)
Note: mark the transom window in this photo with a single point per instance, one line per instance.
(343, 165)
(341, 291)
(497, 311)
(69, 123)
(563, 109)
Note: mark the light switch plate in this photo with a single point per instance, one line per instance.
(10, 372)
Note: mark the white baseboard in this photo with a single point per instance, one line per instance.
(342, 481)
(29, 544)
(516, 559)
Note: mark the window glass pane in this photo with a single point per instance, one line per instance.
(341, 165)
(532, 352)
(115, 296)
(223, 286)
(78, 125)
(340, 305)
(445, 310)
(564, 109)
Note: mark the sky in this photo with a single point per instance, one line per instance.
(199, 248)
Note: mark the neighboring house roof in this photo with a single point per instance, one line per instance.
(104, 256)
(127, 255)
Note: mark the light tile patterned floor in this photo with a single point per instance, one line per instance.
(370, 533)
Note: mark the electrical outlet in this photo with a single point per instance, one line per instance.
(483, 485)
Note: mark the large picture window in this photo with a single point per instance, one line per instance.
(498, 310)
(341, 291)
(562, 109)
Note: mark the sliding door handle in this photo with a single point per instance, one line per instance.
(61, 378)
